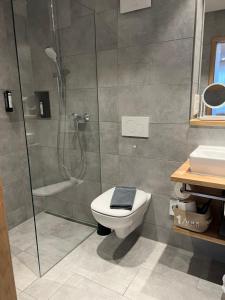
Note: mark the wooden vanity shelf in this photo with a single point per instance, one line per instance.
(211, 235)
(207, 123)
(212, 183)
(184, 175)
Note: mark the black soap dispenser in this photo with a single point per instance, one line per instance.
(8, 101)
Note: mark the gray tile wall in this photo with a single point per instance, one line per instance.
(144, 68)
(13, 156)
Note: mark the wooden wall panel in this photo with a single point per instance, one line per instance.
(7, 283)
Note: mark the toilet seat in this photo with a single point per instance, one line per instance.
(101, 204)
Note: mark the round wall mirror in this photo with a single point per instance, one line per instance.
(214, 95)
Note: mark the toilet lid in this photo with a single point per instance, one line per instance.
(102, 204)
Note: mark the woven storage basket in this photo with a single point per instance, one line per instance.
(192, 221)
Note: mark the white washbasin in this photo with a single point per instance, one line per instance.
(208, 160)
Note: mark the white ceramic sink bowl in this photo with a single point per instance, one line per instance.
(208, 160)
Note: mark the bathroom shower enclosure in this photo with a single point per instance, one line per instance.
(56, 51)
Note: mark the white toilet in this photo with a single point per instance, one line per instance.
(121, 220)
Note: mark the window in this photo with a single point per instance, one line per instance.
(217, 69)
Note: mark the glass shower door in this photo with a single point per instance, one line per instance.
(57, 65)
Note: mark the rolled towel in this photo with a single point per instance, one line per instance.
(123, 198)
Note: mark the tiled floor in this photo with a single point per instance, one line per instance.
(56, 238)
(137, 268)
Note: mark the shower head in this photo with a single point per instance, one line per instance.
(50, 52)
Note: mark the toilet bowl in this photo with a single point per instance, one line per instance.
(122, 221)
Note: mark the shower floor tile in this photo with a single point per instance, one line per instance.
(56, 238)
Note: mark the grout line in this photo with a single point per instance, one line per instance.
(132, 280)
(93, 52)
(68, 253)
(73, 220)
(146, 44)
(98, 283)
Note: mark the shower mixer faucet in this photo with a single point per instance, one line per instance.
(81, 118)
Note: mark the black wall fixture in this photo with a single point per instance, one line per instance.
(44, 103)
(8, 101)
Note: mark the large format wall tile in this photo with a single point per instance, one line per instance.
(79, 37)
(106, 29)
(110, 169)
(82, 71)
(68, 11)
(46, 131)
(99, 5)
(158, 211)
(136, 27)
(17, 197)
(107, 68)
(166, 141)
(134, 100)
(36, 166)
(102, 5)
(85, 193)
(164, 21)
(169, 103)
(50, 170)
(83, 100)
(12, 137)
(172, 61)
(152, 175)
(108, 104)
(134, 74)
(148, 65)
(13, 166)
(57, 206)
(138, 54)
(109, 137)
(163, 103)
(174, 20)
(9, 73)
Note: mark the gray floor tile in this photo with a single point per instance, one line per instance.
(149, 284)
(82, 288)
(42, 289)
(56, 238)
(23, 275)
(110, 268)
(23, 296)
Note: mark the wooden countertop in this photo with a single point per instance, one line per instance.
(7, 284)
(207, 123)
(183, 174)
